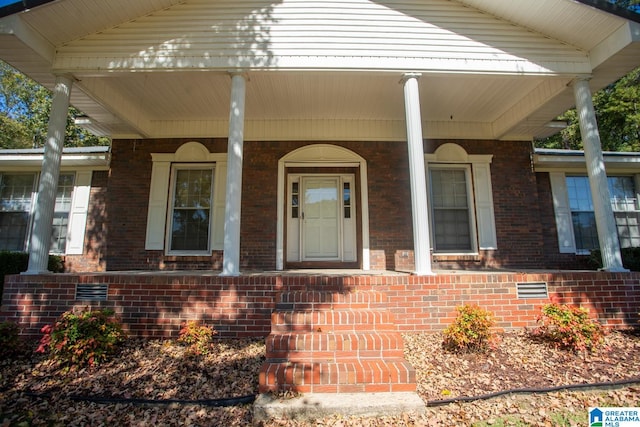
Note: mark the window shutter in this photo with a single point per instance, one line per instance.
(484, 206)
(78, 214)
(218, 205)
(157, 213)
(564, 223)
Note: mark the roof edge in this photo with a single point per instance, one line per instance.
(21, 6)
(613, 9)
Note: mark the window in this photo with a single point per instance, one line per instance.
(460, 200)
(17, 206)
(625, 210)
(16, 201)
(451, 209)
(61, 213)
(191, 217)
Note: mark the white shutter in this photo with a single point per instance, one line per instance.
(564, 223)
(484, 206)
(78, 214)
(219, 193)
(157, 213)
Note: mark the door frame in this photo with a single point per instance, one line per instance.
(324, 156)
(346, 233)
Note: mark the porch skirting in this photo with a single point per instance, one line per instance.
(153, 304)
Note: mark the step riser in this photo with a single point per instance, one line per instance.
(328, 321)
(361, 342)
(342, 355)
(370, 297)
(311, 377)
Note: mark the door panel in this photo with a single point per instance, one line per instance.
(321, 215)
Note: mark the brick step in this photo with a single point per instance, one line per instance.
(362, 376)
(331, 321)
(337, 346)
(318, 300)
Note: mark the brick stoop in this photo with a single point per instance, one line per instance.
(331, 342)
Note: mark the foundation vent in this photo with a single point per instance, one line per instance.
(92, 292)
(532, 290)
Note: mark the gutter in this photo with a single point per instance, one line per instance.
(21, 6)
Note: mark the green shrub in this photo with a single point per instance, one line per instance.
(197, 338)
(569, 328)
(471, 330)
(83, 339)
(11, 345)
(630, 259)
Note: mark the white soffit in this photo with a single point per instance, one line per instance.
(455, 105)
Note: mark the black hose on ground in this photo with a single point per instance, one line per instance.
(243, 400)
(230, 401)
(442, 402)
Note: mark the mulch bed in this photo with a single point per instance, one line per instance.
(35, 391)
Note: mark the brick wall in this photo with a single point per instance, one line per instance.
(519, 229)
(153, 305)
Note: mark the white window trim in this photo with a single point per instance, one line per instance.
(485, 224)
(473, 233)
(175, 167)
(190, 152)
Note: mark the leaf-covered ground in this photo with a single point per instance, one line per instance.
(37, 392)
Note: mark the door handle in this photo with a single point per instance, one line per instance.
(302, 215)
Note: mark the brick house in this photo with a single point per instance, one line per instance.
(254, 140)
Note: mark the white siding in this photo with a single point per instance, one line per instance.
(436, 35)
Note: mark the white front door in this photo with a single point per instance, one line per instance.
(321, 218)
(320, 214)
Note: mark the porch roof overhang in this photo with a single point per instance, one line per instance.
(94, 158)
(316, 71)
(573, 161)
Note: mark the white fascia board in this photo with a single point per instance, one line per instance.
(628, 33)
(287, 61)
(97, 161)
(574, 161)
(320, 129)
(14, 25)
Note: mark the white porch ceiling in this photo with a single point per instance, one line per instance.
(293, 102)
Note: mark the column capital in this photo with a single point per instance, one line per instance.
(409, 76)
(583, 78)
(243, 74)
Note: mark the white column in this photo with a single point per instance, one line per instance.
(46, 198)
(233, 200)
(419, 212)
(605, 221)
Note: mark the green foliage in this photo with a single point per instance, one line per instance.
(198, 338)
(24, 114)
(83, 339)
(630, 259)
(11, 345)
(618, 115)
(471, 331)
(569, 328)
